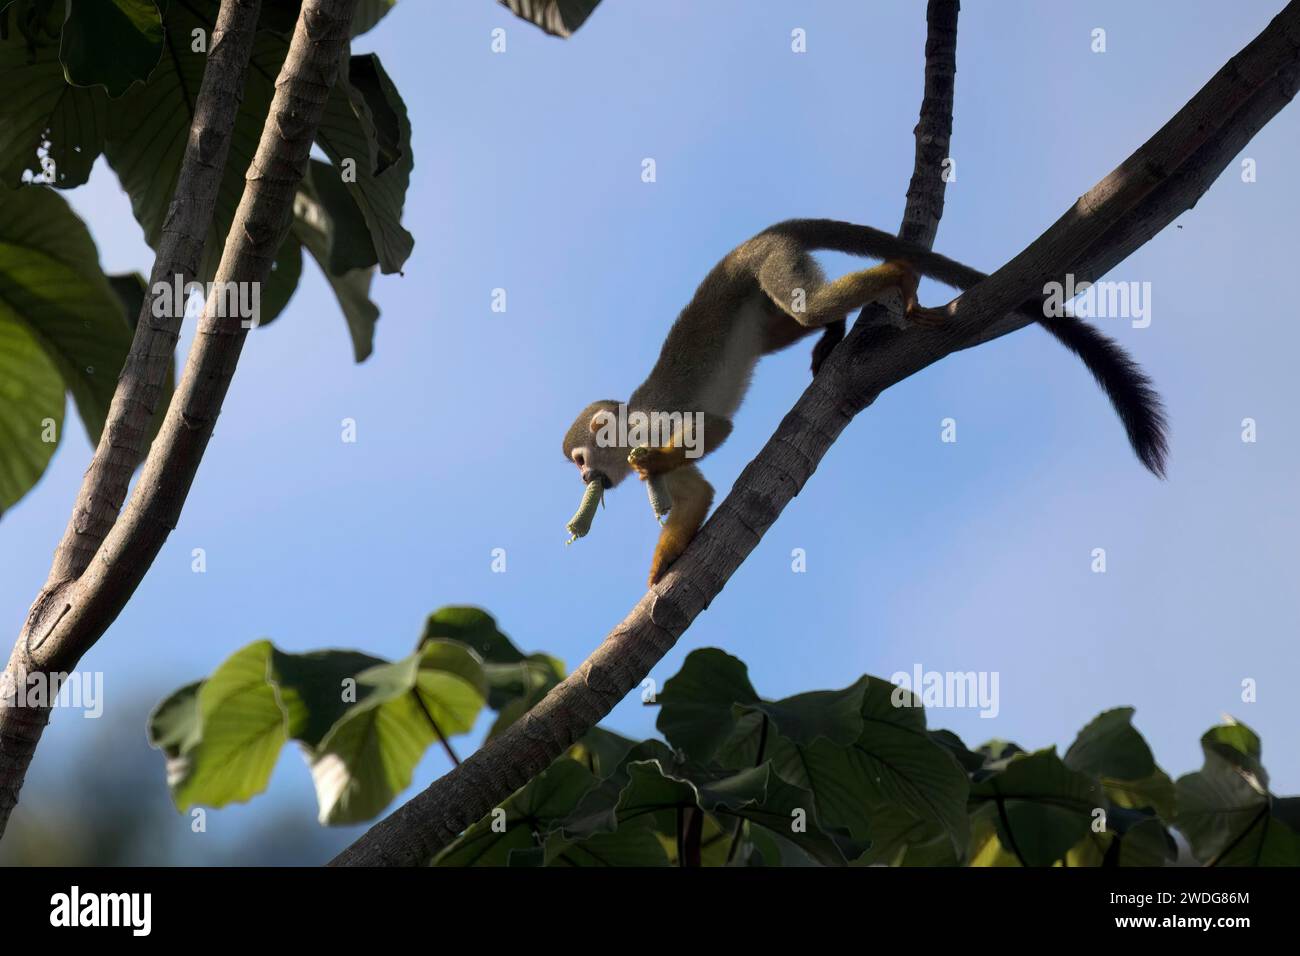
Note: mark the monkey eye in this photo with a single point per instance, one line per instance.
(578, 459)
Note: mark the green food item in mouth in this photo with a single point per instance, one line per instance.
(580, 523)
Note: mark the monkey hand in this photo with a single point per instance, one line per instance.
(646, 461)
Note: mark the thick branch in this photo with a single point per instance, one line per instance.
(68, 619)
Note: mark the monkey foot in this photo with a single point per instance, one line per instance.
(927, 317)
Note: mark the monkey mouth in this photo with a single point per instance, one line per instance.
(590, 474)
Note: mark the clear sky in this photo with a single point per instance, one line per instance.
(974, 555)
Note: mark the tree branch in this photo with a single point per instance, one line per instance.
(180, 249)
(68, 618)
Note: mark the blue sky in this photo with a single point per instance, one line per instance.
(967, 556)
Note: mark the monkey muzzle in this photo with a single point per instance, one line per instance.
(591, 474)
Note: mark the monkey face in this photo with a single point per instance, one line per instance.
(592, 444)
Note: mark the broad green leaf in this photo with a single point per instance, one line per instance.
(174, 727)
(242, 728)
(369, 754)
(318, 687)
(31, 410)
(473, 627)
(366, 134)
(697, 704)
(516, 682)
(50, 281)
(369, 12)
(631, 847)
(314, 229)
(1111, 748)
(278, 290)
(350, 247)
(1226, 811)
(111, 43)
(893, 765)
(529, 815)
(1039, 806)
(648, 793)
(39, 107)
(1147, 843)
(969, 760)
(557, 17)
(601, 751)
(835, 715)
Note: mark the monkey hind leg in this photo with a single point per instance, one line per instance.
(692, 498)
(817, 303)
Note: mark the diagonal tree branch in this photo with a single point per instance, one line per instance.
(1162, 178)
(68, 618)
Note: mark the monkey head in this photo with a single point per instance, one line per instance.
(592, 444)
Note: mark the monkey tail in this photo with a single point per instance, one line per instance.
(1130, 392)
(1120, 377)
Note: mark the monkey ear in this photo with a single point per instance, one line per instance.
(599, 419)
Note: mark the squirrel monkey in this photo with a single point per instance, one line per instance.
(765, 295)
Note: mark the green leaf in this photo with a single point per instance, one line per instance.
(242, 728)
(557, 17)
(174, 725)
(369, 755)
(697, 704)
(631, 847)
(278, 290)
(111, 43)
(314, 229)
(31, 409)
(1111, 748)
(1039, 807)
(529, 815)
(369, 12)
(516, 682)
(365, 123)
(835, 715)
(317, 688)
(38, 107)
(893, 765)
(1226, 811)
(1147, 843)
(601, 751)
(349, 237)
(52, 296)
